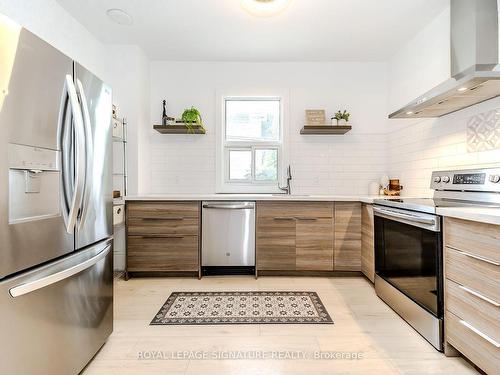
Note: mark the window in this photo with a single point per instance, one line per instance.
(250, 144)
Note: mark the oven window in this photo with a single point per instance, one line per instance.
(409, 258)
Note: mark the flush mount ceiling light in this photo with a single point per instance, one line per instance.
(264, 8)
(119, 16)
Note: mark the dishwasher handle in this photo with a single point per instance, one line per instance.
(229, 206)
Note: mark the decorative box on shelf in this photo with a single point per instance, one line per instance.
(325, 129)
(180, 129)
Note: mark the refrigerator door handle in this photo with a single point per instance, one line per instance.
(80, 154)
(65, 143)
(43, 282)
(89, 152)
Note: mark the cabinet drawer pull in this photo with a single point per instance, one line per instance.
(479, 295)
(306, 218)
(283, 218)
(478, 332)
(160, 236)
(478, 257)
(161, 218)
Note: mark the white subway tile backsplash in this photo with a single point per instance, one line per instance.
(434, 144)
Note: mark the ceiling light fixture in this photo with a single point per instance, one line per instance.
(462, 89)
(119, 16)
(264, 8)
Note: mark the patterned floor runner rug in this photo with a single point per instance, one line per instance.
(192, 308)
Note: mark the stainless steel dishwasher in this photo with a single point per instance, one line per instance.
(228, 238)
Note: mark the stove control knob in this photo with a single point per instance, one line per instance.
(446, 179)
(437, 179)
(495, 179)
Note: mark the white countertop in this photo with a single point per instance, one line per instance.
(254, 197)
(488, 215)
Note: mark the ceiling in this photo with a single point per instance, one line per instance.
(220, 30)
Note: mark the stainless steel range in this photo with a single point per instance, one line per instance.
(408, 245)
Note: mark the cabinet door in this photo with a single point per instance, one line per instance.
(347, 253)
(276, 243)
(367, 242)
(314, 244)
(276, 235)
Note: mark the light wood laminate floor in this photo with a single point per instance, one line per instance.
(363, 324)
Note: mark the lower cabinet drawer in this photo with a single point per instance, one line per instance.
(477, 274)
(162, 253)
(471, 306)
(176, 225)
(482, 350)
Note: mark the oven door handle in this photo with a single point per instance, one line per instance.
(422, 221)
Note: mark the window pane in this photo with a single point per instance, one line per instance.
(266, 165)
(240, 164)
(253, 119)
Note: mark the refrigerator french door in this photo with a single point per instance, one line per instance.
(55, 208)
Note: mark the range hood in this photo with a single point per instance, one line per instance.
(475, 69)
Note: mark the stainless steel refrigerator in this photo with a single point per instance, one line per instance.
(56, 274)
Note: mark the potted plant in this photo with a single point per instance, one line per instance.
(342, 118)
(191, 116)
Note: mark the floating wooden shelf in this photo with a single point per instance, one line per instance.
(325, 129)
(179, 129)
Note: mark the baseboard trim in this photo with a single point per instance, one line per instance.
(310, 273)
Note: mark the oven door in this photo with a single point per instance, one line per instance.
(408, 255)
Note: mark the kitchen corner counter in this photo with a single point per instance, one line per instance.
(253, 197)
(488, 215)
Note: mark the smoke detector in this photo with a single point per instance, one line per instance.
(119, 16)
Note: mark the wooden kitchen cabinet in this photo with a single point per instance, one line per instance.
(275, 243)
(314, 244)
(367, 242)
(472, 291)
(163, 236)
(295, 236)
(347, 254)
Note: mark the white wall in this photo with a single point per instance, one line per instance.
(421, 64)
(328, 164)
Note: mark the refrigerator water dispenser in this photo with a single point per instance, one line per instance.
(34, 183)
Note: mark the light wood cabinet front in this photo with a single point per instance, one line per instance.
(367, 242)
(275, 243)
(163, 236)
(314, 244)
(472, 291)
(293, 236)
(347, 256)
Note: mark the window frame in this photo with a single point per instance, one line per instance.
(223, 183)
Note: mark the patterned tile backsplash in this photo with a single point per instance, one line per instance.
(483, 131)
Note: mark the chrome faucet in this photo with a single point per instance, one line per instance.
(287, 188)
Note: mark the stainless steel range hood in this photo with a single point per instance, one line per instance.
(475, 69)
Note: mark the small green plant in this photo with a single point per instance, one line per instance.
(342, 116)
(191, 116)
